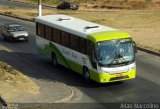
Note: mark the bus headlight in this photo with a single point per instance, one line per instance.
(101, 70)
(132, 66)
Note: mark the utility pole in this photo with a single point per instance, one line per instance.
(39, 8)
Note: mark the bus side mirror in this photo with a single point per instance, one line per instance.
(135, 47)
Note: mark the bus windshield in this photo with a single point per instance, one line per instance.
(115, 52)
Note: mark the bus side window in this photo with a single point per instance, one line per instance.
(74, 42)
(56, 35)
(48, 32)
(65, 39)
(82, 45)
(40, 29)
(53, 34)
(91, 53)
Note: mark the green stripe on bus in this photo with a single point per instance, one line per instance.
(76, 67)
(49, 49)
(59, 55)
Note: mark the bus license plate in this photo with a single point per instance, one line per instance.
(21, 38)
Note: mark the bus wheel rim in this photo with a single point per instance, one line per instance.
(86, 74)
(54, 61)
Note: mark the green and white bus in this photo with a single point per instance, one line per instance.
(97, 52)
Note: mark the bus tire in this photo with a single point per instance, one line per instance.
(5, 38)
(86, 73)
(54, 60)
(26, 40)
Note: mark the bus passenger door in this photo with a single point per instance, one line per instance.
(92, 54)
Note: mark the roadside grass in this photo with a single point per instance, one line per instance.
(143, 25)
(13, 83)
(107, 4)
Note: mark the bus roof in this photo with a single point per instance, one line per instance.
(72, 25)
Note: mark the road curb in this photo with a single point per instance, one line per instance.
(149, 51)
(63, 100)
(17, 17)
(68, 98)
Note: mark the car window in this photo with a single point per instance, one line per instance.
(16, 28)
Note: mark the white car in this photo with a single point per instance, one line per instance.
(14, 32)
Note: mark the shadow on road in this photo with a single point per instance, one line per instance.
(34, 66)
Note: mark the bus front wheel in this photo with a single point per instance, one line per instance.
(86, 74)
(54, 60)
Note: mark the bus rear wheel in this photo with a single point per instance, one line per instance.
(86, 74)
(54, 60)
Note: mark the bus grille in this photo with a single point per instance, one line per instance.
(118, 78)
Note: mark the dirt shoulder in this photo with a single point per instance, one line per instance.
(14, 84)
(103, 4)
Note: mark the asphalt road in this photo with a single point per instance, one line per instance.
(144, 89)
(22, 5)
(15, 4)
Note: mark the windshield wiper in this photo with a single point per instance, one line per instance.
(122, 58)
(118, 58)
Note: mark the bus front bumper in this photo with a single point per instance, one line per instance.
(106, 77)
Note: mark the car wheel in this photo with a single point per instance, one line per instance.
(26, 40)
(10, 39)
